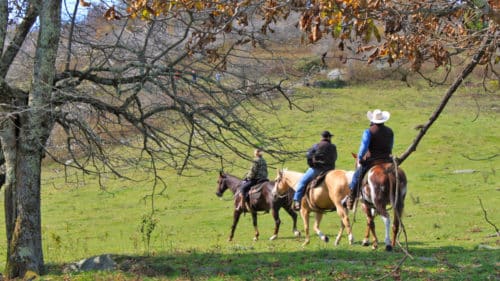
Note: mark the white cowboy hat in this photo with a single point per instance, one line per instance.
(377, 116)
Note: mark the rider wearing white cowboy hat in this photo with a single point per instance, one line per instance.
(378, 116)
(376, 145)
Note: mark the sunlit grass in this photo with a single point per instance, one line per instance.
(443, 217)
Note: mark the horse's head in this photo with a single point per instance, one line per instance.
(221, 184)
(280, 185)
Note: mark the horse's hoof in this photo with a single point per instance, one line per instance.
(296, 233)
(229, 239)
(374, 247)
(273, 237)
(255, 239)
(388, 248)
(337, 242)
(305, 243)
(326, 239)
(365, 243)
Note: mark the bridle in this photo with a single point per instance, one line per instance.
(222, 184)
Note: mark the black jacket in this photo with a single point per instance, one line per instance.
(381, 141)
(323, 155)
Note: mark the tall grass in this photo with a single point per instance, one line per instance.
(448, 235)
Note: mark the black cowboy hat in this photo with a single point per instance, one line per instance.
(326, 134)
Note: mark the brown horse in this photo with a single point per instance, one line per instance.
(380, 187)
(261, 199)
(326, 197)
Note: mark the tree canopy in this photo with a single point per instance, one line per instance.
(404, 32)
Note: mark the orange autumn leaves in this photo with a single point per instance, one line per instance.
(415, 31)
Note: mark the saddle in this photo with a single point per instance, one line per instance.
(318, 180)
(256, 190)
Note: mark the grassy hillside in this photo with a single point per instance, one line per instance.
(448, 235)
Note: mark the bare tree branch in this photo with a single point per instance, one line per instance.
(449, 93)
(22, 31)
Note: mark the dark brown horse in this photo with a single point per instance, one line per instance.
(261, 199)
(382, 186)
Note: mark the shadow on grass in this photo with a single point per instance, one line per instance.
(446, 263)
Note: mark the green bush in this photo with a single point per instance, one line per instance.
(307, 64)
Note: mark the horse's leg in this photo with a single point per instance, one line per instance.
(317, 222)
(387, 223)
(293, 214)
(305, 217)
(254, 220)
(370, 227)
(344, 223)
(398, 212)
(277, 221)
(236, 218)
(395, 226)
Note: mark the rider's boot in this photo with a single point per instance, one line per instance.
(296, 205)
(241, 203)
(246, 202)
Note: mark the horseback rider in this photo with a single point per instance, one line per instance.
(376, 147)
(256, 174)
(321, 157)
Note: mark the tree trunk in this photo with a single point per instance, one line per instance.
(22, 209)
(23, 139)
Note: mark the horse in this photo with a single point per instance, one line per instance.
(326, 197)
(261, 199)
(380, 187)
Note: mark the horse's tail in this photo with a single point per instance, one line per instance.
(398, 191)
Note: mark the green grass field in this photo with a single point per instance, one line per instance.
(449, 237)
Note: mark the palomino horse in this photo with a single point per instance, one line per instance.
(326, 197)
(380, 187)
(263, 202)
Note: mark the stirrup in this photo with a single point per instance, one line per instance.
(296, 205)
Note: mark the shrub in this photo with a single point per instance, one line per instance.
(308, 64)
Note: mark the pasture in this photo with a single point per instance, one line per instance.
(451, 177)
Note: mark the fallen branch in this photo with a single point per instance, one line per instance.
(486, 217)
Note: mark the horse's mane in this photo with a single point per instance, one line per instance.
(349, 174)
(295, 173)
(232, 176)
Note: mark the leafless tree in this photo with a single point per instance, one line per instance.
(148, 86)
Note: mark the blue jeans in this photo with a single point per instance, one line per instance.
(308, 176)
(355, 177)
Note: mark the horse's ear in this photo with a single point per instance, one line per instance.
(354, 155)
(221, 173)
